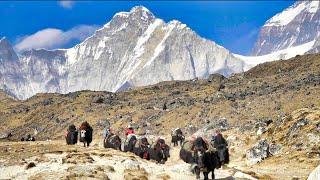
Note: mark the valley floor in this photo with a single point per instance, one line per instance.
(55, 160)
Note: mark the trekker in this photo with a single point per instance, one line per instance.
(129, 130)
(106, 133)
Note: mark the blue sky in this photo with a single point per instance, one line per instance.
(232, 24)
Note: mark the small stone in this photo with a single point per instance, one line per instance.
(30, 165)
(261, 130)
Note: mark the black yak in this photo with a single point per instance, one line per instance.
(202, 156)
(112, 141)
(86, 133)
(72, 135)
(159, 151)
(177, 136)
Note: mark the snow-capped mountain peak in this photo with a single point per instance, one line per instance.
(139, 12)
(6, 51)
(133, 49)
(297, 25)
(289, 14)
(4, 43)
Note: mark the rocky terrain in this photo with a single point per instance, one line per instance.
(54, 160)
(270, 115)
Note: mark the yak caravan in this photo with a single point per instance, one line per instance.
(160, 90)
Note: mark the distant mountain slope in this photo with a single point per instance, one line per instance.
(134, 49)
(269, 92)
(297, 25)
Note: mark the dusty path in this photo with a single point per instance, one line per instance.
(55, 160)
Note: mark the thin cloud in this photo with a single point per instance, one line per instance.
(52, 38)
(66, 4)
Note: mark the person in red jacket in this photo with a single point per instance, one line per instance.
(129, 130)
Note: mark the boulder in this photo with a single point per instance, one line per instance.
(131, 164)
(313, 138)
(98, 99)
(30, 165)
(222, 124)
(215, 78)
(263, 122)
(296, 126)
(5, 135)
(315, 174)
(207, 130)
(258, 152)
(261, 130)
(275, 149)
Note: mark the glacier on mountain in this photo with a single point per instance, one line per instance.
(251, 61)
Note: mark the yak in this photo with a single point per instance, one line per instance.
(86, 133)
(159, 151)
(202, 157)
(112, 141)
(130, 143)
(72, 135)
(177, 136)
(141, 148)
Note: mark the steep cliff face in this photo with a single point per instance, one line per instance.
(11, 76)
(134, 49)
(297, 25)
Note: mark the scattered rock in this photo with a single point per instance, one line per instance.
(313, 138)
(207, 130)
(261, 130)
(263, 122)
(246, 127)
(73, 95)
(138, 174)
(232, 138)
(47, 102)
(275, 149)
(258, 152)
(30, 165)
(215, 78)
(86, 172)
(98, 99)
(77, 158)
(5, 135)
(103, 123)
(297, 125)
(222, 124)
(131, 164)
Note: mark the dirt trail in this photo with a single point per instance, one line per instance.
(55, 160)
